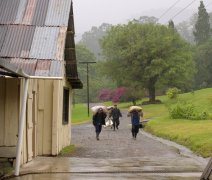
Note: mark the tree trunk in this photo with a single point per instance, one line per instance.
(151, 89)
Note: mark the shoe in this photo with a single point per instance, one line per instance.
(97, 138)
(117, 127)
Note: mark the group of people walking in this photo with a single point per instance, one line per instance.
(115, 113)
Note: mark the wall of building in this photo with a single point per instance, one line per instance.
(9, 111)
(44, 132)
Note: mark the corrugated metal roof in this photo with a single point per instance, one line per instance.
(3, 30)
(20, 11)
(33, 35)
(34, 67)
(18, 41)
(61, 43)
(44, 43)
(56, 69)
(29, 66)
(8, 11)
(42, 68)
(35, 12)
(40, 12)
(29, 12)
(58, 13)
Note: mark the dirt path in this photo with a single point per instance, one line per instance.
(117, 144)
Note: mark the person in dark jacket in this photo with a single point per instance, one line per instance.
(115, 114)
(135, 121)
(98, 121)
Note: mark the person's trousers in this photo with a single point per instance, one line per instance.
(116, 123)
(98, 128)
(135, 130)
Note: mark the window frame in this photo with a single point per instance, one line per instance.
(66, 96)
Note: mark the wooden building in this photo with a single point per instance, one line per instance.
(38, 73)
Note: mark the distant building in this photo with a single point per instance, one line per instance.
(36, 45)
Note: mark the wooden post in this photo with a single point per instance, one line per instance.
(208, 171)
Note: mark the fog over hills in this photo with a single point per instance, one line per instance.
(184, 16)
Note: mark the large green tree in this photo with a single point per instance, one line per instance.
(202, 31)
(203, 59)
(144, 55)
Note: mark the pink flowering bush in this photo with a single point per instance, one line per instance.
(118, 94)
(105, 95)
(112, 95)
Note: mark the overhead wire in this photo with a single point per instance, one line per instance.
(169, 9)
(183, 9)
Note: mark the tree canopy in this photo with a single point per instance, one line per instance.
(202, 30)
(203, 56)
(143, 55)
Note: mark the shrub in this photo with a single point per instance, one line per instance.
(186, 111)
(172, 93)
(112, 95)
(105, 95)
(118, 94)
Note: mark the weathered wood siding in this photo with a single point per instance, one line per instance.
(44, 132)
(9, 111)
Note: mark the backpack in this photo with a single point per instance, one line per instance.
(135, 118)
(115, 113)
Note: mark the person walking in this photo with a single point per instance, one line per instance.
(98, 121)
(115, 114)
(135, 121)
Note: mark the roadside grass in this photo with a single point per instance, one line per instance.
(68, 150)
(194, 134)
(80, 114)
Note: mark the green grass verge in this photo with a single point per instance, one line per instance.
(68, 150)
(194, 134)
(80, 114)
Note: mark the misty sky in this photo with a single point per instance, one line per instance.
(88, 13)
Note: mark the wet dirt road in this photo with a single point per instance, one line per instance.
(117, 156)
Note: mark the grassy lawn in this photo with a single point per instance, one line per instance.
(194, 134)
(80, 114)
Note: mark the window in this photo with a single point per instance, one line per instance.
(65, 106)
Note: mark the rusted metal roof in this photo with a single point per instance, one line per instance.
(29, 66)
(33, 36)
(35, 12)
(38, 68)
